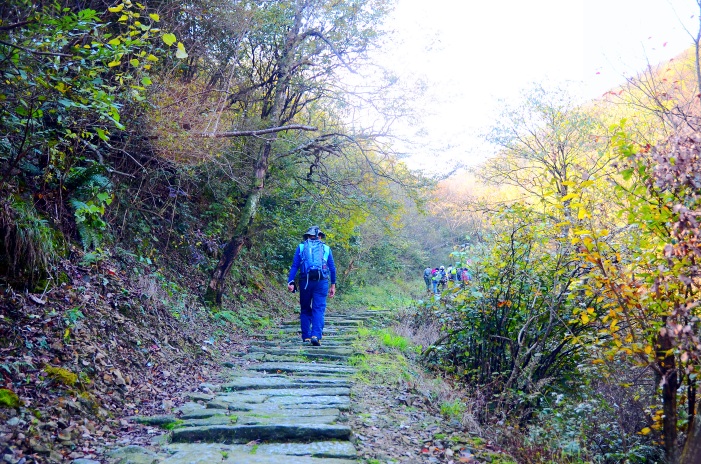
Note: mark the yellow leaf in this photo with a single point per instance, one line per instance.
(123, 18)
(154, 17)
(585, 318)
(590, 310)
(569, 196)
(645, 431)
(169, 39)
(586, 183)
(648, 349)
(181, 53)
(134, 62)
(582, 213)
(116, 9)
(112, 64)
(151, 58)
(598, 361)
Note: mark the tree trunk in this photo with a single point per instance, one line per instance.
(692, 449)
(272, 115)
(670, 382)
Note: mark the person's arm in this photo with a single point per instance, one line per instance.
(296, 261)
(332, 274)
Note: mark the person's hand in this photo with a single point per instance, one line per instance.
(332, 290)
(291, 287)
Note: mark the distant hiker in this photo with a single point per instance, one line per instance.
(314, 260)
(427, 278)
(444, 278)
(465, 276)
(437, 278)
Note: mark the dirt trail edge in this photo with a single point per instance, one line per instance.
(282, 403)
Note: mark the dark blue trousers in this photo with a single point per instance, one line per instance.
(312, 302)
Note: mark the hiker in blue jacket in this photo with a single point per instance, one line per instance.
(317, 278)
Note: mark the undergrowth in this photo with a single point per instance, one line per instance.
(387, 295)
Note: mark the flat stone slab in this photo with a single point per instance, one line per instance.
(269, 381)
(302, 368)
(196, 396)
(204, 413)
(266, 393)
(316, 449)
(270, 357)
(302, 350)
(315, 400)
(286, 420)
(301, 413)
(214, 420)
(246, 433)
(182, 453)
(157, 420)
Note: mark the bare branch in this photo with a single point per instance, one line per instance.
(254, 133)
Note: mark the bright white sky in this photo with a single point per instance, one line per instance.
(471, 54)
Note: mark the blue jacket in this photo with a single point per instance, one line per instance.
(297, 262)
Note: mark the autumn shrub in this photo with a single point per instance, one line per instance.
(508, 331)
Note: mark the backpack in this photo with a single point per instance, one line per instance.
(314, 255)
(427, 272)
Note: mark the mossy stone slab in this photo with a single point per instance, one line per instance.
(157, 420)
(243, 395)
(246, 433)
(213, 420)
(268, 381)
(302, 368)
(204, 413)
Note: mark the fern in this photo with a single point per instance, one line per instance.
(90, 176)
(91, 193)
(27, 245)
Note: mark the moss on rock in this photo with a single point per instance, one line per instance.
(61, 375)
(9, 399)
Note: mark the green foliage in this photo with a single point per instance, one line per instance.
(73, 315)
(392, 340)
(90, 195)
(68, 75)
(382, 357)
(384, 293)
(453, 409)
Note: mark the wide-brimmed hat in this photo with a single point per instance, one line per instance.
(314, 231)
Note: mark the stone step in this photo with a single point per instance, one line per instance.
(279, 381)
(318, 357)
(300, 369)
(322, 452)
(246, 433)
(276, 403)
(303, 349)
(315, 449)
(298, 343)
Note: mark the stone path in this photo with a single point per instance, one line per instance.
(284, 406)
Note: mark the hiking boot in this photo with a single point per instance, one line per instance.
(306, 340)
(315, 341)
